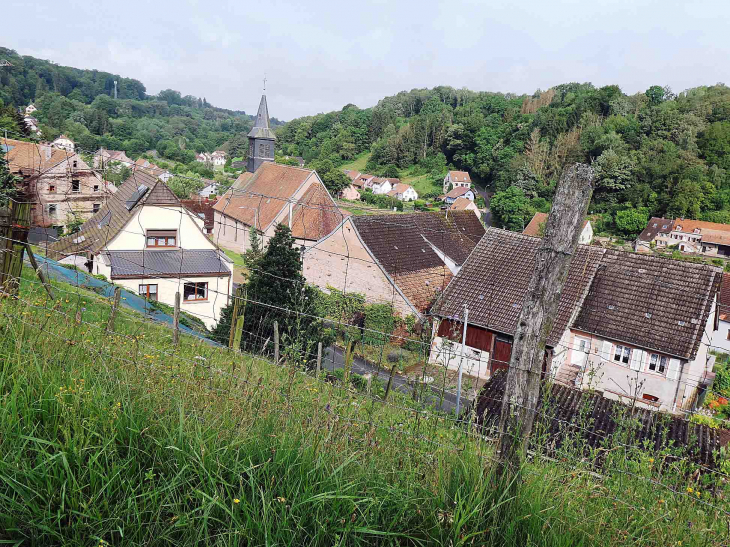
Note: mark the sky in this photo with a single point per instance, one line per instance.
(318, 56)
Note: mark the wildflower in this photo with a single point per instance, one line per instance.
(661, 501)
(689, 490)
(697, 493)
(236, 500)
(281, 500)
(651, 460)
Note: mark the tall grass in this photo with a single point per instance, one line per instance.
(122, 438)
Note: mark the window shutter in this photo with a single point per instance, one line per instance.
(606, 349)
(673, 372)
(636, 357)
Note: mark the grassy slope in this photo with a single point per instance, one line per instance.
(124, 438)
(358, 164)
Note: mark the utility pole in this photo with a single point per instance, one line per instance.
(539, 308)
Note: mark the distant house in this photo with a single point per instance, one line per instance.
(103, 158)
(721, 336)
(404, 260)
(633, 327)
(275, 194)
(465, 204)
(456, 179)
(163, 174)
(30, 109)
(600, 424)
(686, 235)
(67, 189)
(32, 125)
(64, 143)
(380, 185)
(218, 158)
(403, 192)
(459, 192)
(210, 190)
(352, 192)
(145, 240)
(536, 228)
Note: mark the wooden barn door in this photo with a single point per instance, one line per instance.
(501, 355)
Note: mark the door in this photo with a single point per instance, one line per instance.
(502, 355)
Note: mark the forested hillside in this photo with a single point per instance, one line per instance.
(655, 153)
(80, 104)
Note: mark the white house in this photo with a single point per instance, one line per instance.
(459, 192)
(218, 158)
(456, 179)
(633, 327)
(403, 192)
(30, 109)
(145, 240)
(536, 227)
(211, 189)
(381, 185)
(64, 143)
(721, 336)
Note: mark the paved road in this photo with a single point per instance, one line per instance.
(334, 358)
(487, 214)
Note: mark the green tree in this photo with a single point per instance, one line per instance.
(333, 178)
(632, 221)
(254, 251)
(511, 209)
(714, 143)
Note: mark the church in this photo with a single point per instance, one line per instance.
(268, 194)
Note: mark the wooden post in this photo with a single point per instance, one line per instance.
(390, 382)
(39, 271)
(234, 318)
(276, 342)
(239, 333)
(176, 320)
(115, 305)
(319, 359)
(539, 308)
(15, 223)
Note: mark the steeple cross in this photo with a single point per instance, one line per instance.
(264, 82)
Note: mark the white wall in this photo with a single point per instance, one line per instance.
(448, 353)
(586, 235)
(720, 337)
(150, 217)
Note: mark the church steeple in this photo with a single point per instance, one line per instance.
(261, 139)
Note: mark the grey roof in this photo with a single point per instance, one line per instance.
(261, 128)
(181, 262)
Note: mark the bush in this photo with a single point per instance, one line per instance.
(379, 323)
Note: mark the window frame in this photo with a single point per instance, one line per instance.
(95, 207)
(76, 186)
(195, 284)
(622, 354)
(52, 213)
(659, 362)
(51, 188)
(146, 292)
(161, 235)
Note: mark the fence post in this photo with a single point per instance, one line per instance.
(239, 333)
(39, 271)
(234, 319)
(176, 320)
(115, 305)
(276, 342)
(539, 307)
(390, 382)
(319, 359)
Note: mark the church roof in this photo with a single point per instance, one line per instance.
(261, 129)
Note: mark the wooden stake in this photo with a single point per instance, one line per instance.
(115, 306)
(234, 318)
(39, 271)
(539, 308)
(239, 333)
(176, 320)
(319, 359)
(276, 342)
(390, 382)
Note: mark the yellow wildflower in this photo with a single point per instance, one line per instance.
(689, 490)
(651, 460)
(281, 500)
(236, 500)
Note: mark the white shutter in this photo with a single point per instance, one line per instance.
(606, 350)
(637, 356)
(673, 371)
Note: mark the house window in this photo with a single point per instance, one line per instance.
(96, 207)
(96, 187)
(162, 238)
(657, 363)
(622, 354)
(148, 291)
(52, 212)
(728, 334)
(51, 188)
(75, 185)
(195, 291)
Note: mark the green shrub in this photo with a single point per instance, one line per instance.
(379, 323)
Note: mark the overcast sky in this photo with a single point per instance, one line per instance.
(319, 56)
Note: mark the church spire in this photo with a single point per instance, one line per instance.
(261, 139)
(261, 129)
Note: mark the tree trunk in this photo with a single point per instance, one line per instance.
(539, 309)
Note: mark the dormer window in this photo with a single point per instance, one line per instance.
(161, 238)
(697, 230)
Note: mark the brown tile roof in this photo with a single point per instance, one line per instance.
(362, 180)
(352, 174)
(201, 206)
(493, 282)
(587, 421)
(422, 287)
(688, 226)
(460, 204)
(112, 217)
(266, 191)
(458, 192)
(459, 176)
(315, 214)
(650, 302)
(724, 297)
(402, 243)
(29, 158)
(655, 227)
(537, 225)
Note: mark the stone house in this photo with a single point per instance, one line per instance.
(632, 327)
(536, 227)
(145, 240)
(65, 188)
(456, 179)
(689, 236)
(404, 260)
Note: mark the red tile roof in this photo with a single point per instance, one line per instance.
(457, 192)
(537, 225)
(459, 176)
(461, 204)
(315, 215)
